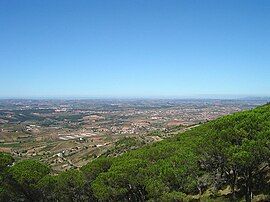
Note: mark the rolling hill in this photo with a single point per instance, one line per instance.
(223, 160)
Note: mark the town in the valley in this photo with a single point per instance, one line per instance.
(70, 133)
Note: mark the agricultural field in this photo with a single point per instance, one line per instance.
(70, 133)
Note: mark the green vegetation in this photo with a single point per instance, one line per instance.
(223, 160)
(124, 145)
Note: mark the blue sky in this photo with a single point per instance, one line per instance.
(134, 48)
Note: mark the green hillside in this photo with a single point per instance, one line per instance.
(223, 160)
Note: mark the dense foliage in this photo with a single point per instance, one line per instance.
(231, 153)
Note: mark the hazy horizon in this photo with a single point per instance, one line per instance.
(218, 97)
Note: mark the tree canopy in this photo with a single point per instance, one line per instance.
(230, 153)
